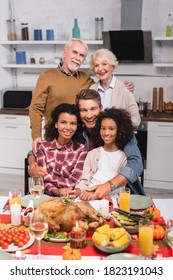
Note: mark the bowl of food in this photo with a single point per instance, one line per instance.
(111, 240)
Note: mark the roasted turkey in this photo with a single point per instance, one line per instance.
(62, 214)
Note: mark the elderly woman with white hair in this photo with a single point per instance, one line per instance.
(113, 92)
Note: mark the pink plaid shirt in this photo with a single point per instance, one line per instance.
(64, 165)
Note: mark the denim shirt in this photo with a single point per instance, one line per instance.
(134, 167)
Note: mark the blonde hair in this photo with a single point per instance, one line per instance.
(103, 55)
(69, 43)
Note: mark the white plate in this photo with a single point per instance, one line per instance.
(123, 256)
(139, 202)
(57, 240)
(108, 249)
(25, 200)
(13, 248)
(5, 255)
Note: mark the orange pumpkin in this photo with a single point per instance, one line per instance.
(154, 212)
(158, 232)
(71, 254)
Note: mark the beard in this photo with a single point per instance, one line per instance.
(73, 68)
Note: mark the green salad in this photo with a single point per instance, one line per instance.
(56, 235)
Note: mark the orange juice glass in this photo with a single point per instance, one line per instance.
(15, 197)
(124, 200)
(145, 238)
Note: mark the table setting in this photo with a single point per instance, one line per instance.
(85, 236)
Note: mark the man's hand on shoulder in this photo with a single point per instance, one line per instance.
(129, 85)
(34, 144)
(35, 170)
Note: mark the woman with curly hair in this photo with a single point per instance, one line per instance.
(62, 153)
(113, 130)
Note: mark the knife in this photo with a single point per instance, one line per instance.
(135, 217)
(6, 206)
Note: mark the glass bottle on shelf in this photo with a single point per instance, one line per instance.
(98, 28)
(169, 26)
(11, 35)
(24, 31)
(76, 29)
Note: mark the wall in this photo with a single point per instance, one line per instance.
(59, 15)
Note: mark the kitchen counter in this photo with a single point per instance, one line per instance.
(14, 111)
(152, 117)
(158, 117)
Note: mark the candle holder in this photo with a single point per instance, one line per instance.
(78, 238)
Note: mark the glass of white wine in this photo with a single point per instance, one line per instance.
(36, 186)
(169, 234)
(38, 227)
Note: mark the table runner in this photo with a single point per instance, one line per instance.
(52, 248)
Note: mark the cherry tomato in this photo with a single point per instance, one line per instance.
(20, 244)
(5, 245)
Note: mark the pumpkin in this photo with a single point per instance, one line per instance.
(158, 232)
(72, 254)
(153, 213)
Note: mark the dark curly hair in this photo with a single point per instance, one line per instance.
(125, 128)
(51, 131)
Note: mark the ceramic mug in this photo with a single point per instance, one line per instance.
(49, 34)
(20, 57)
(37, 34)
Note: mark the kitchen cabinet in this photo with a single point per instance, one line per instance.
(15, 142)
(41, 48)
(163, 49)
(159, 170)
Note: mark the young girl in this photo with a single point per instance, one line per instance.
(114, 129)
(62, 154)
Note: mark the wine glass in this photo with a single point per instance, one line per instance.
(36, 186)
(169, 233)
(38, 227)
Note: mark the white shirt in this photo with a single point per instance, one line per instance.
(106, 94)
(108, 166)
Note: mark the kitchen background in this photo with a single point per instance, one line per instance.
(59, 15)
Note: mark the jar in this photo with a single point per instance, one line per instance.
(11, 35)
(24, 31)
(98, 28)
(42, 60)
(32, 59)
(57, 60)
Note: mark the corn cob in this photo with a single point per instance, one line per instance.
(120, 241)
(100, 238)
(103, 229)
(116, 233)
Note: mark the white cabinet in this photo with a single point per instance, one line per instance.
(15, 142)
(163, 52)
(160, 154)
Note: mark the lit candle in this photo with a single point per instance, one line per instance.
(15, 210)
(104, 207)
(77, 237)
(77, 228)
